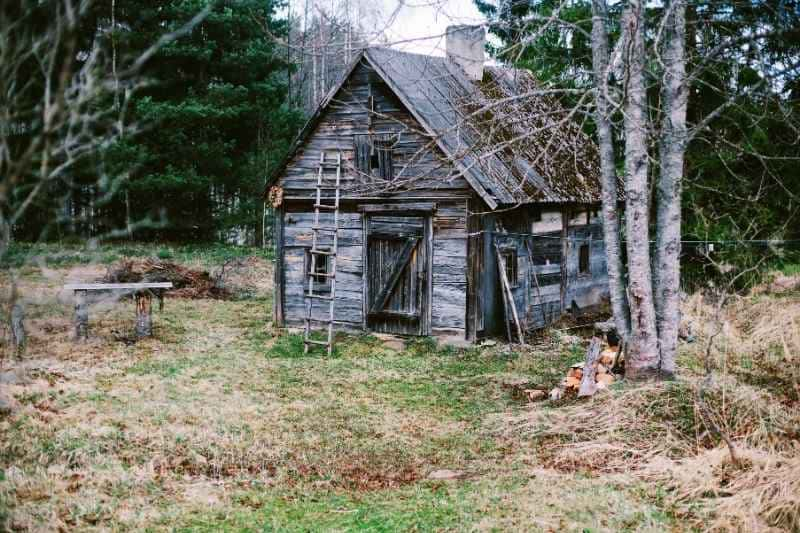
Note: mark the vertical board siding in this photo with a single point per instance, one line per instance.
(449, 300)
(385, 246)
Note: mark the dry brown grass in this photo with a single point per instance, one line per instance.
(208, 420)
(656, 431)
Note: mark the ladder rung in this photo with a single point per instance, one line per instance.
(324, 275)
(321, 252)
(321, 228)
(319, 296)
(327, 321)
(327, 187)
(318, 343)
(323, 206)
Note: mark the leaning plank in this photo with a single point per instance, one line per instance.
(536, 281)
(509, 295)
(588, 385)
(117, 286)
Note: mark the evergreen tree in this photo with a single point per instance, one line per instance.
(215, 114)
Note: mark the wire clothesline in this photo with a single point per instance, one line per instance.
(684, 241)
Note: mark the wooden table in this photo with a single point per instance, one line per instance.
(143, 295)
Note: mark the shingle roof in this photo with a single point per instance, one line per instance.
(521, 145)
(511, 141)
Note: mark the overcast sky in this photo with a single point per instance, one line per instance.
(419, 25)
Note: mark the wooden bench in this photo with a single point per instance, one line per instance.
(143, 295)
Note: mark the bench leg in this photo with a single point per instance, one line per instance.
(144, 322)
(81, 316)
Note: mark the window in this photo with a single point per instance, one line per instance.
(510, 261)
(373, 155)
(322, 283)
(583, 259)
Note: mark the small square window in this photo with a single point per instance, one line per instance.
(510, 262)
(322, 282)
(374, 155)
(583, 259)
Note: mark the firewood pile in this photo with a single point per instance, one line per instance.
(187, 282)
(602, 367)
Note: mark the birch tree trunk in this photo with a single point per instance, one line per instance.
(643, 356)
(672, 148)
(608, 173)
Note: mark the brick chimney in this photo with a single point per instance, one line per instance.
(465, 46)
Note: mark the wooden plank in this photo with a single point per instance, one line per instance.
(117, 286)
(404, 208)
(278, 316)
(509, 295)
(81, 316)
(564, 256)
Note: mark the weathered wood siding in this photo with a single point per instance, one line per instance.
(449, 267)
(420, 168)
(548, 276)
(297, 236)
(449, 302)
(590, 288)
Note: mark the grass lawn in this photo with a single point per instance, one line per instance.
(216, 423)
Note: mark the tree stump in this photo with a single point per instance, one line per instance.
(81, 316)
(144, 322)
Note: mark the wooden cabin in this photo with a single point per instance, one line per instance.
(445, 163)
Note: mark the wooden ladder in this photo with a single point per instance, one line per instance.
(322, 254)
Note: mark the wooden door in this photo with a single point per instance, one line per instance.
(397, 274)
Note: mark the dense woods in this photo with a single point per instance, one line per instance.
(692, 103)
(741, 173)
(199, 98)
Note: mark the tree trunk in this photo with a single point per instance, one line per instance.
(672, 148)
(608, 173)
(643, 357)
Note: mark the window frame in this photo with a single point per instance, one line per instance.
(322, 284)
(512, 266)
(381, 150)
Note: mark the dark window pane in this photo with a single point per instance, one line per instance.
(510, 260)
(583, 259)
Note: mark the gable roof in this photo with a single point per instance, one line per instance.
(511, 142)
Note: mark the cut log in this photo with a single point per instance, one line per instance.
(556, 394)
(572, 383)
(535, 395)
(588, 385)
(576, 373)
(605, 379)
(607, 356)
